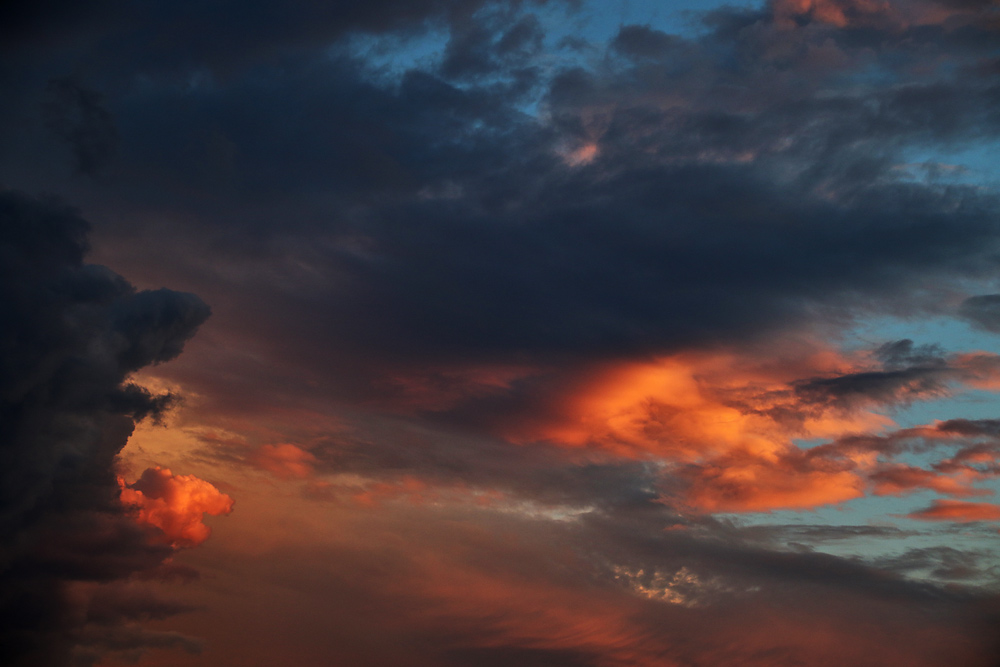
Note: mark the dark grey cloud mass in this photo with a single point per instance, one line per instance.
(744, 182)
(70, 335)
(77, 116)
(983, 311)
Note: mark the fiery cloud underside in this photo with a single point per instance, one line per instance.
(728, 426)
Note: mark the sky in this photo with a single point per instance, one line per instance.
(534, 333)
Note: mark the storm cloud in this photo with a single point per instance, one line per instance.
(72, 335)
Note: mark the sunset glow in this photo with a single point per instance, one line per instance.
(500, 333)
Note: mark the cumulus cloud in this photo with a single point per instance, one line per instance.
(175, 504)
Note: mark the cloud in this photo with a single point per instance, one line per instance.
(285, 460)
(71, 336)
(674, 154)
(130, 642)
(724, 425)
(983, 311)
(229, 38)
(599, 589)
(839, 13)
(77, 116)
(899, 479)
(942, 562)
(818, 533)
(109, 605)
(742, 482)
(957, 510)
(175, 504)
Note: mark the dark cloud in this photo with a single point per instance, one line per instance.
(71, 334)
(110, 605)
(129, 642)
(528, 657)
(907, 373)
(222, 35)
(448, 213)
(983, 311)
(476, 48)
(637, 41)
(971, 427)
(941, 562)
(77, 116)
(819, 533)
(453, 217)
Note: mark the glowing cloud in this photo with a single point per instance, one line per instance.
(746, 483)
(688, 406)
(956, 510)
(176, 504)
(727, 423)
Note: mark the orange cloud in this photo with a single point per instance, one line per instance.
(743, 482)
(285, 460)
(687, 406)
(900, 479)
(175, 504)
(956, 510)
(727, 423)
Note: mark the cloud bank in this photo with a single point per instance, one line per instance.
(72, 335)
